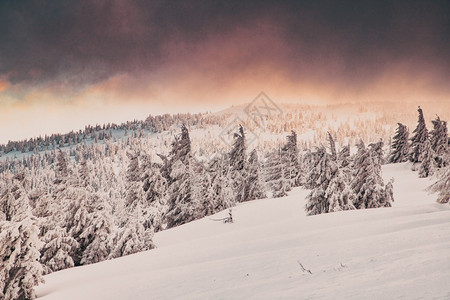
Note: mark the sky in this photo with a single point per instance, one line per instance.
(65, 64)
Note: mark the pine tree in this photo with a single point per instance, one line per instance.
(274, 175)
(20, 269)
(330, 192)
(181, 206)
(442, 186)
(58, 245)
(439, 141)
(61, 168)
(290, 158)
(338, 192)
(238, 164)
(254, 187)
(418, 139)
(343, 160)
(427, 162)
(367, 182)
(132, 238)
(332, 146)
(400, 146)
(98, 233)
(317, 200)
(135, 230)
(220, 193)
(154, 185)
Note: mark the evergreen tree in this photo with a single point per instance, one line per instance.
(442, 186)
(98, 233)
(58, 245)
(290, 159)
(418, 139)
(330, 192)
(20, 269)
(274, 175)
(332, 146)
(154, 185)
(367, 182)
(220, 193)
(317, 200)
(254, 187)
(400, 146)
(181, 207)
(343, 160)
(135, 230)
(427, 162)
(131, 238)
(238, 164)
(439, 141)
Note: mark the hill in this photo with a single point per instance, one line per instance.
(385, 253)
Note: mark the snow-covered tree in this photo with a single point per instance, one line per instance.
(131, 238)
(442, 186)
(400, 146)
(181, 206)
(154, 185)
(254, 186)
(220, 192)
(439, 141)
(427, 162)
(418, 139)
(274, 175)
(332, 146)
(317, 201)
(367, 183)
(56, 250)
(330, 192)
(238, 164)
(20, 269)
(343, 160)
(98, 233)
(290, 159)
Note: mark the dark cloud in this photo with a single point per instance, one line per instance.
(353, 42)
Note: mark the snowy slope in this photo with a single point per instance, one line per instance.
(387, 253)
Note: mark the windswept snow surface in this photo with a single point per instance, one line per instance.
(386, 253)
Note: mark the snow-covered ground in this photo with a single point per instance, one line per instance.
(387, 253)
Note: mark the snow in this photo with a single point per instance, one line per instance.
(384, 253)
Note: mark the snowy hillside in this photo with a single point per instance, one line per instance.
(385, 253)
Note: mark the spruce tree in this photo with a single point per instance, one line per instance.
(154, 185)
(290, 158)
(332, 146)
(220, 193)
(55, 253)
(427, 162)
(317, 201)
(367, 183)
(439, 141)
(238, 164)
(254, 187)
(442, 186)
(98, 233)
(181, 206)
(344, 163)
(418, 139)
(400, 146)
(274, 175)
(20, 269)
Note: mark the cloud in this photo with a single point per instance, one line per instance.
(196, 51)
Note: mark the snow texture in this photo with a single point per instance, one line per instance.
(274, 251)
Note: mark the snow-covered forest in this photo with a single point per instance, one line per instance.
(101, 193)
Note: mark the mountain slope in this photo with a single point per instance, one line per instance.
(379, 253)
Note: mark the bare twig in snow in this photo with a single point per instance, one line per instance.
(303, 268)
